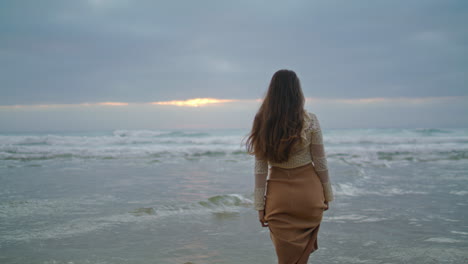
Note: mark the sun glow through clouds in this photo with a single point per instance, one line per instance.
(113, 103)
(196, 102)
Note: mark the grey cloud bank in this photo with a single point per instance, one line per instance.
(377, 113)
(139, 51)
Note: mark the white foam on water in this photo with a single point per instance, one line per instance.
(459, 232)
(461, 193)
(369, 243)
(352, 260)
(443, 240)
(449, 219)
(353, 218)
(371, 219)
(348, 189)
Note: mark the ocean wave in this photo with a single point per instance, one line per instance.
(166, 153)
(348, 189)
(217, 206)
(359, 147)
(423, 155)
(122, 144)
(46, 207)
(443, 240)
(370, 140)
(459, 233)
(29, 208)
(26, 155)
(354, 218)
(393, 156)
(116, 140)
(431, 131)
(461, 193)
(224, 201)
(152, 133)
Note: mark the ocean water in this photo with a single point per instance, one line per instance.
(180, 196)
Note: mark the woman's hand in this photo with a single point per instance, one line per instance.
(261, 218)
(326, 208)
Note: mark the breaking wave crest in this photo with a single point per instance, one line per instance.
(380, 147)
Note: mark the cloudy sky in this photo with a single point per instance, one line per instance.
(102, 64)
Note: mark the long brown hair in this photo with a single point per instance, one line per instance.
(278, 123)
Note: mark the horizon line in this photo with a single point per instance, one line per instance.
(206, 101)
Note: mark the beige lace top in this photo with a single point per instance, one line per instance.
(310, 151)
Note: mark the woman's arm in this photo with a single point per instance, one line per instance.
(319, 158)
(261, 172)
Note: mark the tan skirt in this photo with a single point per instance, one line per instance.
(293, 209)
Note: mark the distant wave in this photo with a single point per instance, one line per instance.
(357, 146)
(19, 155)
(392, 140)
(432, 131)
(151, 133)
(123, 138)
(121, 144)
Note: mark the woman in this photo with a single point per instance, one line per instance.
(289, 140)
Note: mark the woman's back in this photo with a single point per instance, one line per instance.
(292, 187)
(310, 150)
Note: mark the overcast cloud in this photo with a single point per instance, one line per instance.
(97, 64)
(140, 51)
